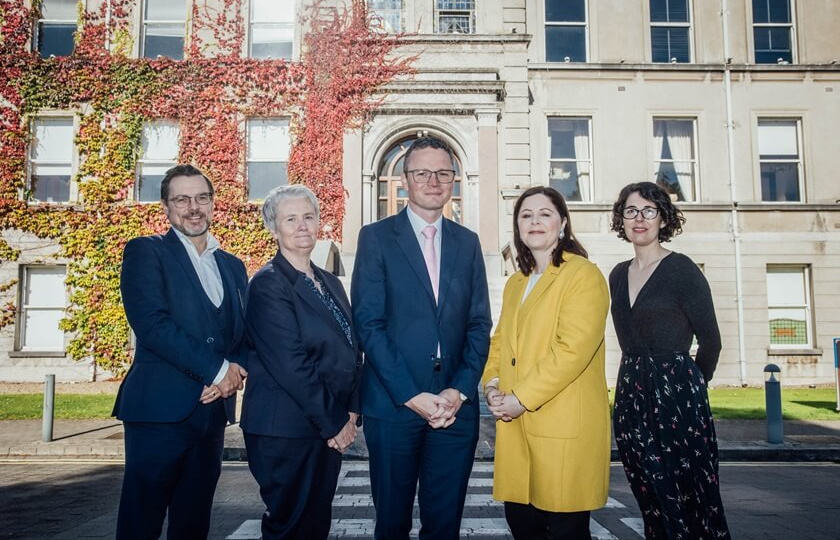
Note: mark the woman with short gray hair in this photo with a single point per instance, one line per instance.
(301, 404)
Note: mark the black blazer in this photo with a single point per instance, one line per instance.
(177, 351)
(303, 378)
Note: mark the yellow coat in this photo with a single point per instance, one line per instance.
(549, 351)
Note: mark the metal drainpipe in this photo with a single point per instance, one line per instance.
(734, 220)
(108, 25)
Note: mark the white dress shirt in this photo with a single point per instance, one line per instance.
(208, 274)
(417, 225)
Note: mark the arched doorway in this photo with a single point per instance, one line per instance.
(392, 197)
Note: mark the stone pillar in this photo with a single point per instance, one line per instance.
(488, 179)
(357, 197)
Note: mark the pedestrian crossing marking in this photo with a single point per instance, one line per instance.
(637, 524)
(346, 528)
(352, 497)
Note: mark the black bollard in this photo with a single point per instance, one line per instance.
(773, 403)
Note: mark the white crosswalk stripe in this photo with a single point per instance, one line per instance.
(353, 514)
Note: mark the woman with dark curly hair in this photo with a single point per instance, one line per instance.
(662, 421)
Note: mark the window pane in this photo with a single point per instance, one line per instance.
(164, 40)
(777, 139)
(772, 45)
(268, 140)
(46, 187)
(44, 286)
(265, 176)
(159, 141)
(788, 326)
(272, 41)
(564, 178)
(771, 11)
(669, 10)
(456, 4)
(669, 43)
(148, 181)
(561, 136)
(166, 10)
(273, 11)
(42, 332)
(780, 182)
(53, 140)
(59, 10)
(779, 11)
(677, 179)
(785, 287)
(55, 39)
(565, 10)
(390, 13)
(565, 41)
(455, 23)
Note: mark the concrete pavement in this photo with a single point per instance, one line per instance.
(739, 440)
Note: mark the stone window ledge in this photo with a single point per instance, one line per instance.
(37, 354)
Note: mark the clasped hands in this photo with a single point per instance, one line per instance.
(505, 407)
(346, 436)
(438, 410)
(233, 380)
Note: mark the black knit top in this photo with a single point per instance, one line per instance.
(674, 305)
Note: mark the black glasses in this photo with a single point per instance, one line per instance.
(183, 201)
(648, 212)
(423, 176)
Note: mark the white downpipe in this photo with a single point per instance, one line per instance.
(734, 219)
(108, 25)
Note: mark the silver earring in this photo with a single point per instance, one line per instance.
(562, 235)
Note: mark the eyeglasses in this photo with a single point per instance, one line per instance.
(423, 176)
(183, 201)
(648, 212)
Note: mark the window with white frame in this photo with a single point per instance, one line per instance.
(51, 160)
(670, 31)
(387, 15)
(455, 16)
(272, 29)
(565, 30)
(570, 158)
(789, 306)
(55, 28)
(42, 301)
(164, 27)
(159, 153)
(675, 157)
(773, 31)
(268, 155)
(780, 159)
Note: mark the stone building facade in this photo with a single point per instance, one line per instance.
(733, 105)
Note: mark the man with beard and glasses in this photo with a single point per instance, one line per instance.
(183, 299)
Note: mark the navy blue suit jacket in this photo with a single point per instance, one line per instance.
(303, 379)
(178, 351)
(400, 325)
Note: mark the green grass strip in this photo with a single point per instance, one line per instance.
(67, 406)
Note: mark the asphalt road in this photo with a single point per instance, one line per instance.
(78, 499)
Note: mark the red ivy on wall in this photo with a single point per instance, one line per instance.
(212, 93)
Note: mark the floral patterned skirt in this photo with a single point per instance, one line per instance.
(666, 440)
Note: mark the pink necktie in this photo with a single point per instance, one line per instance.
(430, 256)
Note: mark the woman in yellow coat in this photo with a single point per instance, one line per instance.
(544, 380)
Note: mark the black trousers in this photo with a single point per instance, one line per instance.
(527, 522)
(297, 479)
(171, 468)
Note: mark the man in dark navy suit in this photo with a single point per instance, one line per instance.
(183, 299)
(422, 314)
